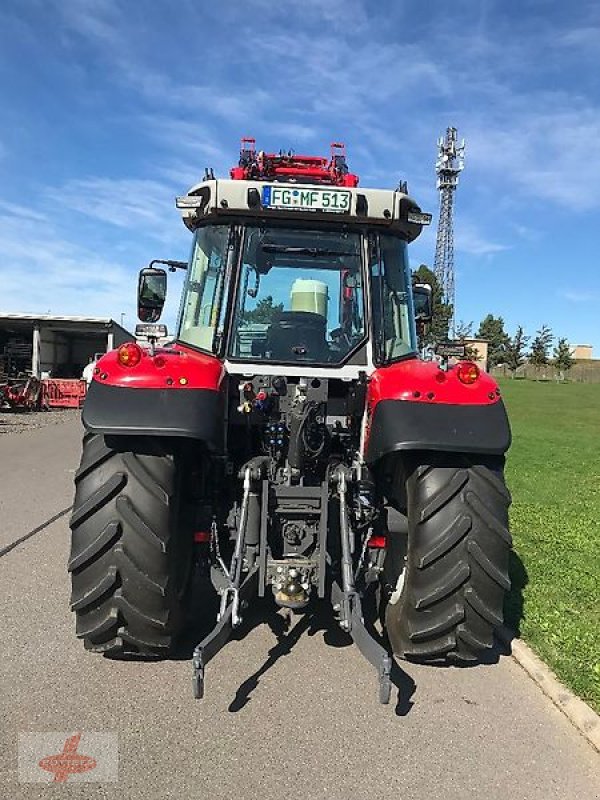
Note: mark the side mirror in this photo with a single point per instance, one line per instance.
(152, 292)
(423, 302)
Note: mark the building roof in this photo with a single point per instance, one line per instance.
(61, 322)
(55, 318)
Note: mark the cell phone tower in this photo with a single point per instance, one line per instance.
(450, 163)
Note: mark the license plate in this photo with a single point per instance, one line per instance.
(300, 199)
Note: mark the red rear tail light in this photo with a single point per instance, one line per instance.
(378, 541)
(129, 354)
(467, 372)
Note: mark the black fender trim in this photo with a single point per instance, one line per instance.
(405, 425)
(192, 413)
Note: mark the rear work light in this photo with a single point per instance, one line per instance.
(467, 372)
(129, 354)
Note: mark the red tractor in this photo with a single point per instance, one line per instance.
(265, 446)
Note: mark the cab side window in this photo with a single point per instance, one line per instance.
(393, 323)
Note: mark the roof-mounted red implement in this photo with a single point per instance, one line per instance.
(291, 168)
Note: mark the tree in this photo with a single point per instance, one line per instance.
(540, 347)
(515, 350)
(563, 360)
(438, 330)
(265, 312)
(464, 330)
(491, 329)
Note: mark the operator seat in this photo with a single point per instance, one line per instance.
(298, 336)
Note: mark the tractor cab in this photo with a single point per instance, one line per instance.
(293, 265)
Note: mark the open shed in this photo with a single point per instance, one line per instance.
(55, 345)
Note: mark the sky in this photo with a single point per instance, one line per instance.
(112, 108)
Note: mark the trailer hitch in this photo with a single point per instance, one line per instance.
(348, 606)
(208, 648)
(234, 597)
(346, 600)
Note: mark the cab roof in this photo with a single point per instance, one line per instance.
(217, 199)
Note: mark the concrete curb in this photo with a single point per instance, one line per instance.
(579, 713)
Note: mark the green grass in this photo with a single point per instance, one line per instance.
(553, 472)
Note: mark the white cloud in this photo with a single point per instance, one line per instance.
(23, 212)
(186, 138)
(526, 233)
(581, 37)
(48, 271)
(348, 78)
(469, 239)
(351, 19)
(580, 295)
(545, 151)
(144, 206)
(58, 274)
(295, 132)
(97, 20)
(291, 84)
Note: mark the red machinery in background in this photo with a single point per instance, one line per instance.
(63, 393)
(21, 393)
(30, 394)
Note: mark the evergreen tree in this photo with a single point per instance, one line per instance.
(463, 330)
(438, 330)
(563, 360)
(492, 329)
(540, 347)
(515, 350)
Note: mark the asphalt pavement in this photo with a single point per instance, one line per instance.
(286, 715)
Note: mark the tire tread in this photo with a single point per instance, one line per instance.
(125, 553)
(456, 571)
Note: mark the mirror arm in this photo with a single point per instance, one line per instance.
(172, 265)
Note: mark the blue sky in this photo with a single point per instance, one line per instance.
(110, 109)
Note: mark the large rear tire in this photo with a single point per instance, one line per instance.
(448, 599)
(131, 548)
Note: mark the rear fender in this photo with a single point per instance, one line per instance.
(174, 391)
(414, 405)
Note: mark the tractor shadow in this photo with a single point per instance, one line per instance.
(319, 619)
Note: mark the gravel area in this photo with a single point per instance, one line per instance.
(19, 421)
